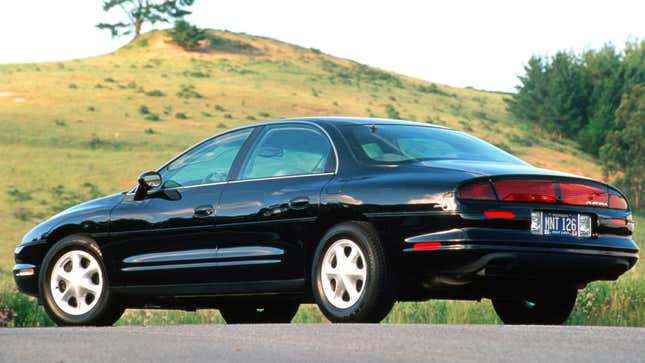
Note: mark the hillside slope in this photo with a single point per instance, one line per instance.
(82, 128)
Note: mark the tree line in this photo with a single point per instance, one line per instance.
(597, 98)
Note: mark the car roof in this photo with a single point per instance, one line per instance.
(347, 120)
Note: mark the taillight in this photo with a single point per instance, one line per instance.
(583, 194)
(536, 191)
(616, 201)
(480, 190)
(544, 191)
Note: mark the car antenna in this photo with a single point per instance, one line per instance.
(372, 128)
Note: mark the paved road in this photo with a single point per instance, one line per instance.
(324, 343)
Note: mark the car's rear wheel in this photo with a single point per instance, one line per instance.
(276, 313)
(546, 308)
(74, 286)
(352, 279)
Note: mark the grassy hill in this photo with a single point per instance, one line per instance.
(78, 129)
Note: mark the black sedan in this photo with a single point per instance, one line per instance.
(350, 213)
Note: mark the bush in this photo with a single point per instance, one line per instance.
(186, 35)
(188, 91)
(155, 93)
(144, 110)
(152, 117)
(18, 310)
(72, 86)
(392, 112)
(220, 108)
(149, 131)
(181, 116)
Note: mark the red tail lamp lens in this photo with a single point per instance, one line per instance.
(617, 202)
(480, 190)
(620, 221)
(426, 246)
(537, 191)
(499, 214)
(582, 194)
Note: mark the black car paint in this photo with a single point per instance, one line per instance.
(258, 236)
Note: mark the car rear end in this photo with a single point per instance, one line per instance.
(527, 229)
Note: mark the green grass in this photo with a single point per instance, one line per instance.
(73, 130)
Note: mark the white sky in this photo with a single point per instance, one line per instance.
(461, 43)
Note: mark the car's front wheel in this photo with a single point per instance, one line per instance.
(546, 308)
(74, 286)
(352, 276)
(276, 313)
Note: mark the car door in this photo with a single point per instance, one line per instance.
(269, 213)
(170, 236)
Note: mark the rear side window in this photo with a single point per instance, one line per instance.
(387, 144)
(283, 150)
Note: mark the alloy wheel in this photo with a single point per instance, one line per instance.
(343, 273)
(76, 282)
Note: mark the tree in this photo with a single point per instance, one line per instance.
(528, 102)
(187, 36)
(142, 11)
(624, 149)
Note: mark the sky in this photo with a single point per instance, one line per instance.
(482, 44)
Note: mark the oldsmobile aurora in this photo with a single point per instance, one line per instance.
(350, 213)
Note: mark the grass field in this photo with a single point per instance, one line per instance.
(73, 130)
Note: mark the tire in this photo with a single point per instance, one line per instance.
(74, 287)
(278, 313)
(368, 283)
(552, 308)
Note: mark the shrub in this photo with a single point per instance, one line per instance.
(434, 89)
(228, 45)
(91, 109)
(315, 50)
(206, 114)
(188, 91)
(144, 110)
(219, 108)
(228, 116)
(221, 125)
(109, 80)
(149, 131)
(196, 74)
(186, 35)
(181, 116)
(265, 114)
(392, 112)
(60, 123)
(155, 93)
(152, 117)
(72, 86)
(251, 118)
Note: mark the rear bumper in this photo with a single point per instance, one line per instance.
(489, 253)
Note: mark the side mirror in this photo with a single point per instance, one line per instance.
(148, 180)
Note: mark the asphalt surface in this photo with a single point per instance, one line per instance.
(324, 343)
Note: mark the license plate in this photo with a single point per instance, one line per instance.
(561, 224)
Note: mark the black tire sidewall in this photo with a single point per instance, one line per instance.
(364, 310)
(552, 308)
(102, 311)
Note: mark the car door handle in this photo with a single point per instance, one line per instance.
(204, 211)
(299, 203)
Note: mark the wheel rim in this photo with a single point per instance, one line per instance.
(76, 282)
(343, 273)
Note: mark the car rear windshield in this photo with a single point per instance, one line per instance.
(394, 144)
